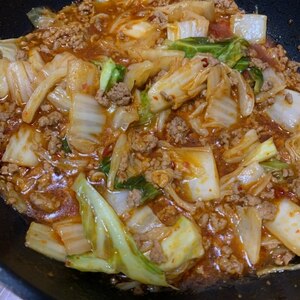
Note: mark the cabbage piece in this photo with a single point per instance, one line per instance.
(182, 245)
(137, 29)
(20, 85)
(143, 220)
(82, 77)
(41, 17)
(72, 235)
(262, 152)
(245, 94)
(20, 149)
(137, 74)
(35, 59)
(144, 106)
(247, 143)
(60, 99)
(222, 110)
(39, 94)
(121, 148)
(249, 230)
(111, 74)
(124, 116)
(179, 86)
(124, 255)
(292, 145)
(191, 28)
(9, 49)
(286, 225)
(251, 174)
(60, 61)
(227, 51)
(251, 27)
(200, 175)
(203, 8)
(4, 89)
(87, 120)
(286, 114)
(44, 240)
(118, 201)
(276, 81)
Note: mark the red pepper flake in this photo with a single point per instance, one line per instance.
(205, 62)
(107, 151)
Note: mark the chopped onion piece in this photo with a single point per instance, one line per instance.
(40, 93)
(286, 225)
(286, 114)
(87, 120)
(249, 229)
(251, 27)
(20, 147)
(191, 28)
(43, 239)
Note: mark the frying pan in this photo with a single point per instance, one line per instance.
(33, 276)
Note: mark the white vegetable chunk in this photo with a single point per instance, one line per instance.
(183, 245)
(118, 201)
(4, 90)
(286, 225)
(191, 28)
(251, 174)
(20, 147)
(249, 229)
(87, 120)
(251, 27)
(286, 114)
(200, 175)
(137, 30)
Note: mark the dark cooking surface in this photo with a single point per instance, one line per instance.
(33, 276)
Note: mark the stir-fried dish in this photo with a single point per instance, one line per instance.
(159, 140)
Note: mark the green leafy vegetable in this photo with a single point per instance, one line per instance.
(111, 74)
(257, 79)
(242, 64)
(65, 145)
(274, 165)
(145, 114)
(124, 255)
(228, 51)
(149, 192)
(105, 165)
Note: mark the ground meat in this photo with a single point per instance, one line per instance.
(203, 220)
(122, 168)
(178, 130)
(216, 223)
(256, 62)
(159, 18)
(120, 94)
(282, 256)
(134, 198)
(230, 265)
(46, 107)
(102, 99)
(296, 187)
(159, 76)
(250, 200)
(21, 55)
(50, 120)
(86, 8)
(289, 98)
(143, 142)
(267, 210)
(70, 36)
(9, 169)
(54, 144)
(168, 215)
(156, 253)
(44, 203)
